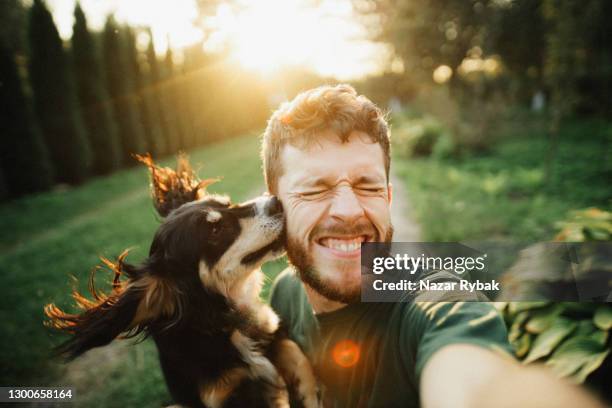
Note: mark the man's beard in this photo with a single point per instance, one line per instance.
(301, 258)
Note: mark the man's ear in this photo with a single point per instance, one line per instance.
(390, 193)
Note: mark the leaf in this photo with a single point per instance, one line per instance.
(500, 306)
(516, 329)
(516, 307)
(600, 336)
(542, 319)
(603, 317)
(579, 307)
(585, 328)
(522, 345)
(546, 342)
(577, 357)
(594, 363)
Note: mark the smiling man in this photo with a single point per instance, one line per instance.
(327, 157)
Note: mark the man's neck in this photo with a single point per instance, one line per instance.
(319, 303)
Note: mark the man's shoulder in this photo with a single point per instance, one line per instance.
(286, 289)
(286, 281)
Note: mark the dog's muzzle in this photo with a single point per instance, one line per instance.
(273, 207)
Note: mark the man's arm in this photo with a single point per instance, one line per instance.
(464, 375)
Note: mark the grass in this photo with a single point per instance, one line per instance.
(504, 194)
(46, 238)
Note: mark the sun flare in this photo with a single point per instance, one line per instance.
(272, 34)
(267, 35)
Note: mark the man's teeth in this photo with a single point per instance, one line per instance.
(346, 245)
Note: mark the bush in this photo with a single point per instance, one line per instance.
(422, 138)
(572, 338)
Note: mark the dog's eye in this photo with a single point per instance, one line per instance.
(215, 230)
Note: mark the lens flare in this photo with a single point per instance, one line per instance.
(346, 353)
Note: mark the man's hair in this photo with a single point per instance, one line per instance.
(327, 108)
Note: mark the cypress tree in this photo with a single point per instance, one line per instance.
(55, 98)
(174, 103)
(120, 85)
(3, 188)
(13, 19)
(147, 103)
(95, 102)
(158, 95)
(26, 166)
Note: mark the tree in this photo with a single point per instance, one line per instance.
(519, 38)
(13, 19)
(147, 100)
(427, 34)
(95, 101)
(55, 98)
(578, 63)
(120, 85)
(26, 165)
(158, 98)
(173, 100)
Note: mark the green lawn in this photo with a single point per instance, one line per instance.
(504, 194)
(47, 238)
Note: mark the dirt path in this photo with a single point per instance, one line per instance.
(406, 228)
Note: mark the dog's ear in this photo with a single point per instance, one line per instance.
(172, 188)
(129, 309)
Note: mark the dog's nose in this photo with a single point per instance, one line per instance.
(274, 206)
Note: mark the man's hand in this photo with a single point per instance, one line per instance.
(463, 375)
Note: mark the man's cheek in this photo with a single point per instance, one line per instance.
(379, 213)
(298, 225)
(302, 220)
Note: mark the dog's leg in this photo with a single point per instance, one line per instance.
(214, 395)
(297, 372)
(261, 368)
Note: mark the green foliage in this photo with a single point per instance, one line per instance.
(171, 104)
(573, 339)
(578, 63)
(156, 95)
(13, 19)
(429, 34)
(519, 36)
(45, 239)
(24, 158)
(502, 194)
(150, 116)
(591, 224)
(94, 100)
(421, 138)
(55, 98)
(119, 72)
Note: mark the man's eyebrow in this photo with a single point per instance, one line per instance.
(369, 179)
(315, 182)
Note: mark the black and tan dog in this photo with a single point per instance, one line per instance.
(197, 296)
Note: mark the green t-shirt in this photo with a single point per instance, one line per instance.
(372, 354)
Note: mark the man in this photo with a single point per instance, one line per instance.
(327, 157)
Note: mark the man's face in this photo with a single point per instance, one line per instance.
(335, 196)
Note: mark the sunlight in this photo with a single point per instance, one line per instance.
(270, 35)
(170, 21)
(264, 36)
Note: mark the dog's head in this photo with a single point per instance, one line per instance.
(216, 242)
(205, 247)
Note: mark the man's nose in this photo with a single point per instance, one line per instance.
(346, 206)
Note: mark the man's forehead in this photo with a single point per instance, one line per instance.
(329, 158)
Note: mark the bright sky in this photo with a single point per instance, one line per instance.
(262, 35)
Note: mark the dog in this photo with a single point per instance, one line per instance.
(197, 296)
